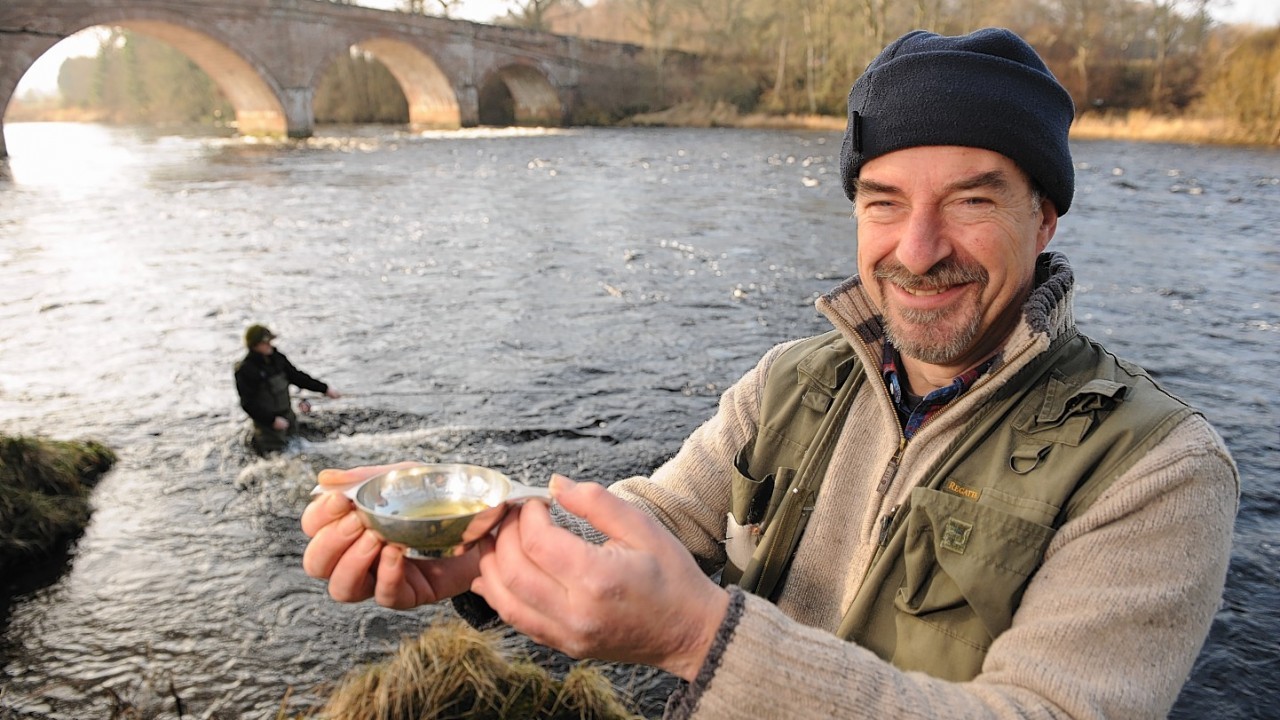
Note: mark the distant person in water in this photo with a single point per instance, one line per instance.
(263, 378)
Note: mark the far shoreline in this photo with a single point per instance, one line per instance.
(1133, 126)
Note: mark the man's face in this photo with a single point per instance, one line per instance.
(947, 242)
(264, 348)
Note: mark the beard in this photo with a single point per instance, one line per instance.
(937, 337)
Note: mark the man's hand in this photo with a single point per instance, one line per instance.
(359, 565)
(280, 423)
(331, 393)
(639, 598)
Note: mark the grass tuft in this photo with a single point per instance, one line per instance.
(453, 671)
(44, 494)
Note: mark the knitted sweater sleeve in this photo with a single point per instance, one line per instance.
(1108, 628)
(690, 493)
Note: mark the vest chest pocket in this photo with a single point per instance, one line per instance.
(753, 504)
(278, 389)
(965, 567)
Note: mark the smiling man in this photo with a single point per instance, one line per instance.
(954, 504)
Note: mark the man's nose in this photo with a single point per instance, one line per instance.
(924, 241)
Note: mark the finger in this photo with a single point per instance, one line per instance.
(329, 543)
(491, 564)
(501, 557)
(553, 549)
(324, 509)
(332, 477)
(403, 583)
(510, 604)
(606, 512)
(354, 575)
(446, 576)
(539, 560)
(399, 585)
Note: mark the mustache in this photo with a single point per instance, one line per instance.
(946, 273)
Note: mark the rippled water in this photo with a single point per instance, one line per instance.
(534, 300)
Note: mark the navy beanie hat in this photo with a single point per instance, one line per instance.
(988, 89)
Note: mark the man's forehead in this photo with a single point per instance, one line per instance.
(947, 164)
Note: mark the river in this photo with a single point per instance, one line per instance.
(571, 300)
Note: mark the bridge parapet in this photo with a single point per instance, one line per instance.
(268, 56)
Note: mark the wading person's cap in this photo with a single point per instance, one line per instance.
(988, 89)
(256, 334)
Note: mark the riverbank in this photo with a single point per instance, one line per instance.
(1135, 126)
(44, 499)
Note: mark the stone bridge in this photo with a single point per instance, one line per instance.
(267, 58)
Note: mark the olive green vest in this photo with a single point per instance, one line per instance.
(954, 560)
(272, 394)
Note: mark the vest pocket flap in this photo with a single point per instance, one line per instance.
(823, 368)
(748, 496)
(966, 565)
(1062, 401)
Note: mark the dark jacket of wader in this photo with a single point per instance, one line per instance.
(954, 560)
(263, 384)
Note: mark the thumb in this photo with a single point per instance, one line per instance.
(606, 512)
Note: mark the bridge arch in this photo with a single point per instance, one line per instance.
(264, 56)
(257, 104)
(247, 87)
(433, 102)
(519, 94)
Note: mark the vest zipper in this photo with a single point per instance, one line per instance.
(886, 524)
(891, 470)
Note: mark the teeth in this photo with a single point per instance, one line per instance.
(924, 292)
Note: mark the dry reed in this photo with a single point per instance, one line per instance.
(453, 671)
(1138, 125)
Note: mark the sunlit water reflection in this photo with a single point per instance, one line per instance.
(568, 300)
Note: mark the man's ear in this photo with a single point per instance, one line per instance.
(1048, 224)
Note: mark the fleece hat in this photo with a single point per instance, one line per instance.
(988, 89)
(256, 334)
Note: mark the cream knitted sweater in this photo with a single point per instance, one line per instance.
(1108, 627)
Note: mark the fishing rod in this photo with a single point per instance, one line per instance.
(425, 393)
(429, 393)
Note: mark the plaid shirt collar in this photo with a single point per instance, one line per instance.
(913, 417)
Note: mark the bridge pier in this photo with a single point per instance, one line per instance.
(300, 118)
(468, 106)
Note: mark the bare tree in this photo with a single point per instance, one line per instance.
(875, 13)
(1245, 82)
(1178, 27)
(443, 8)
(655, 22)
(928, 13)
(1083, 25)
(532, 14)
(726, 23)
